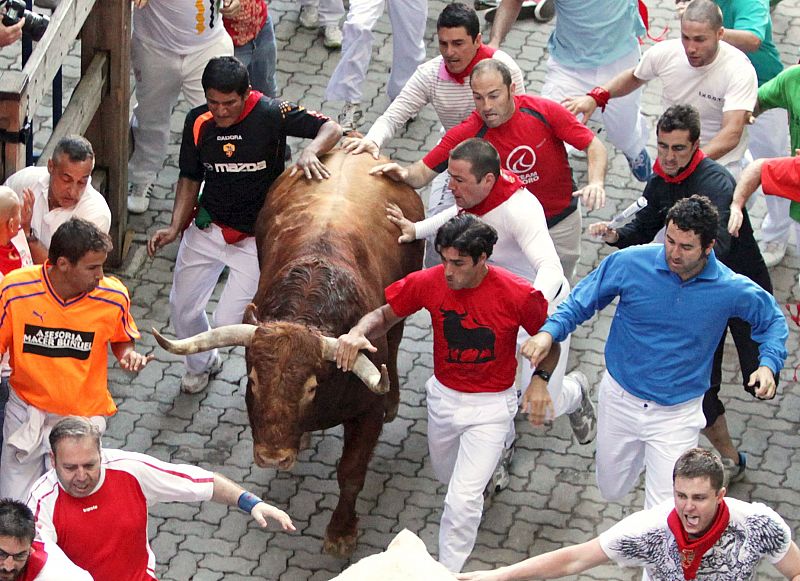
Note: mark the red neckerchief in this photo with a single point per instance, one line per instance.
(36, 561)
(484, 52)
(9, 258)
(692, 550)
(249, 103)
(503, 188)
(688, 170)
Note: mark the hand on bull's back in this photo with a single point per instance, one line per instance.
(347, 348)
(311, 166)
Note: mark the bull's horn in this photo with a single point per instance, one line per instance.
(364, 369)
(220, 337)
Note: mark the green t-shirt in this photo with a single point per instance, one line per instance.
(753, 16)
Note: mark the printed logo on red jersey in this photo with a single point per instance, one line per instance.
(468, 341)
(55, 342)
(521, 161)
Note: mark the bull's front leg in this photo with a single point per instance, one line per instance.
(360, 436)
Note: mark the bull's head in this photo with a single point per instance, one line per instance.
(284, 360)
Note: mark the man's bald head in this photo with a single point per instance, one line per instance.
(9, 203)
(703, 11)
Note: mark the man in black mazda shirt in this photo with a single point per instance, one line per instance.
(233, 147)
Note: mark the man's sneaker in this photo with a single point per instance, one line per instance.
(773, 252)
(501, 476)
(332, 36)
(309, 16)
(484, 4)
(641, 167)
(734, 472)
(197, 382)
(528, 10)
(545, 10)
(139, 197)
(350, 116)
(583, 420)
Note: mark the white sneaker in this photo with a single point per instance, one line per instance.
(139, 197)
(545, 10)
(773, 252)
(197, 382)
(309, 17)
(583, 420)
(350, 116)
(332, 36)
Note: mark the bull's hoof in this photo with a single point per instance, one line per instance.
(340, 547)
(390, 411)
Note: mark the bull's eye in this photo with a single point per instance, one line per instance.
(310, 386)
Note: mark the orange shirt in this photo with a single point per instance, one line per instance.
(59, 349)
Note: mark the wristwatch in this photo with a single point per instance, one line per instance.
(543, 374)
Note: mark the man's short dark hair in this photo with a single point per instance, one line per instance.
(74, 238)
(468, 234)
(680, 118)
(74, 427)
(457, 15)
(697, 214)
(226, 74)
(481, 154)
(74, 147)
(16, 520)
(699, 463)
(495, 65)
(703, 11)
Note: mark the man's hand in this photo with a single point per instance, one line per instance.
(133, 361)
(537, 347)
(262, 511)
(140, 3)
(161, 238)
(602, 230)
(230, 8)
(593, 196)
(536, 402)
(311, 166)
(347, 348)
(356, 145)
(736, 219)
(27, 210)
(764, 382)
(393, 171)
(583, 105)
(11, 34)
(680, 6)
(395, 216)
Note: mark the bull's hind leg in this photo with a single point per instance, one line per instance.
(360, 436)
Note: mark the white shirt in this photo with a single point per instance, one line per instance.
(451, 100)
(728, 83)
(179, 26)
(91, 206)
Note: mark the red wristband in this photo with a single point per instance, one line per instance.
(600, 96)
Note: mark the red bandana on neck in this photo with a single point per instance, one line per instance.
(688, 170)
(249, 103)
(484, 52)
(692, 550)
(503, 188)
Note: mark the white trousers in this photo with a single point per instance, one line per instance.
(330, 11)
(160, 78)
(769, 137)
(566, 237)
(407, 19)
(626, 127)
(466, 435)
(635, 434)
(20, 472)
(202, 256)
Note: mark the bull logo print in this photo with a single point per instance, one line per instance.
(229, 149)
(521, 159)
(473, 344)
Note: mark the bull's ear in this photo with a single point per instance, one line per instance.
(250, 317)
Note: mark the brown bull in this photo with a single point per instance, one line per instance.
(326, 252)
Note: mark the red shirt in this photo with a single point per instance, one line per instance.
(531, 144)
(474, 330)
(781, 177)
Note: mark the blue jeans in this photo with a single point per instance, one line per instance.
(260, 57)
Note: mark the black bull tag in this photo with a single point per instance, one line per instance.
(54, 342)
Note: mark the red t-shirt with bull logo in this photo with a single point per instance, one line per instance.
(530, 144)
(474, 329)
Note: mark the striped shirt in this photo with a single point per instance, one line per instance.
(58, 348)
(451, 100)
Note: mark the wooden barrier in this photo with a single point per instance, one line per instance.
(98, 108)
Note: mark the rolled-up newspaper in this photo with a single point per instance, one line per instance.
(628, 213)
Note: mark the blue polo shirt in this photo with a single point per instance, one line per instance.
(665, 331)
